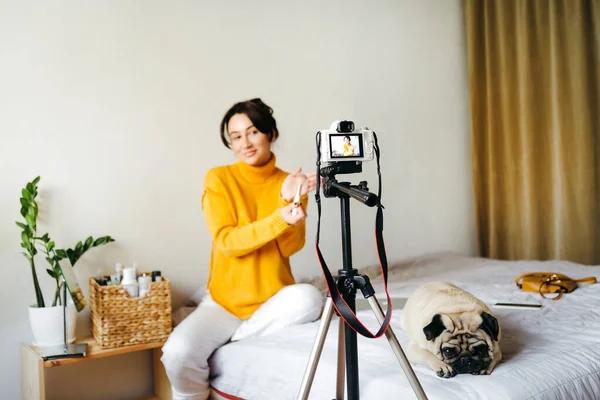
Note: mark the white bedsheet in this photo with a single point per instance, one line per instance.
(552, 353)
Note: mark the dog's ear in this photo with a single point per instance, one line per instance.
(435, 327)
(490, 325)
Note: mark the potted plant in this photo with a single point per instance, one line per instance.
(47, 321)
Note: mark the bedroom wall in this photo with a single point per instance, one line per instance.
(117, 104)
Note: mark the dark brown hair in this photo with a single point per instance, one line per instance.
(259, 113)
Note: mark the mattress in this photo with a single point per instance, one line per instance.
(550, 353)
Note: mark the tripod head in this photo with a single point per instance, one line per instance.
(333, 188)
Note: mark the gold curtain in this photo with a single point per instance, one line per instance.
(534, 76)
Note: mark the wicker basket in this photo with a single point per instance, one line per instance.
(119, 320)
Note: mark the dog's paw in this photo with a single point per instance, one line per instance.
(488, 370)
(445, 371)
(485, 371)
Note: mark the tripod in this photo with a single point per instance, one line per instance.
(349, 280)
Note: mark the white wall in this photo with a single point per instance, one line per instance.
(116, 104)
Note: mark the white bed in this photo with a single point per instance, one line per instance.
(552, 353)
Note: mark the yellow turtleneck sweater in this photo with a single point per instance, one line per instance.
(251, 241)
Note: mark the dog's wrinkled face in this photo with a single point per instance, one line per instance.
(464, 341)
(466, 354)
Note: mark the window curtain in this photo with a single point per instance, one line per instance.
(534, 76)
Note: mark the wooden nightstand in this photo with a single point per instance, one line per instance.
(33, 366)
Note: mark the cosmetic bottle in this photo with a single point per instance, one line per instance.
(129, 282)
(117, 277)
(119, 270)
(144, 282)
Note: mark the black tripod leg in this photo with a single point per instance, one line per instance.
(391, 337)
(341, 362)
(315, 354)
(351, 343)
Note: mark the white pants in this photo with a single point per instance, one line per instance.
(210, 326)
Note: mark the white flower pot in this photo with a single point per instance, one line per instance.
(47, 325)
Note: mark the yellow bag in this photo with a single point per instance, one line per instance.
(549, 282)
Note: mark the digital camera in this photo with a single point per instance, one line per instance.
(342, 142)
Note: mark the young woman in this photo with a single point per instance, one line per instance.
(348, 146)
(256, 226)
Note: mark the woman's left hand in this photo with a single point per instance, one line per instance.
(291, 182)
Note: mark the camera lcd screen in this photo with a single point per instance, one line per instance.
(344, 145)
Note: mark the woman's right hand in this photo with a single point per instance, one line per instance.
(290, 185)
(288, 215)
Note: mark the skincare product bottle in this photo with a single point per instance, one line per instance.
(156, 277)
(144, 282)
(129, 282)
(119, 269)
(117, 277)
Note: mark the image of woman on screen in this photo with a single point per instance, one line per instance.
(348, 146)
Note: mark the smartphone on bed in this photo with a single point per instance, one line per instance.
(397, 303)
(519, 306)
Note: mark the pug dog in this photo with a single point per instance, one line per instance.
(451, 331)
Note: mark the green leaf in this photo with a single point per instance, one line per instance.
(50, 260)
(35, 181)
(79, 246)
(50, 246)
(88, 242)
(22, 225)
(30, 188)
(71, 255)
(24, 202)
(34, 251)
(27, 256)
(30, 221)
(26, 195)
(23, 211)
(103, 240)
(25, 240)
(61, 254)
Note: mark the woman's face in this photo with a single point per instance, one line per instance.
(249, 145)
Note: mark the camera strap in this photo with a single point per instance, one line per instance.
(336, 289)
